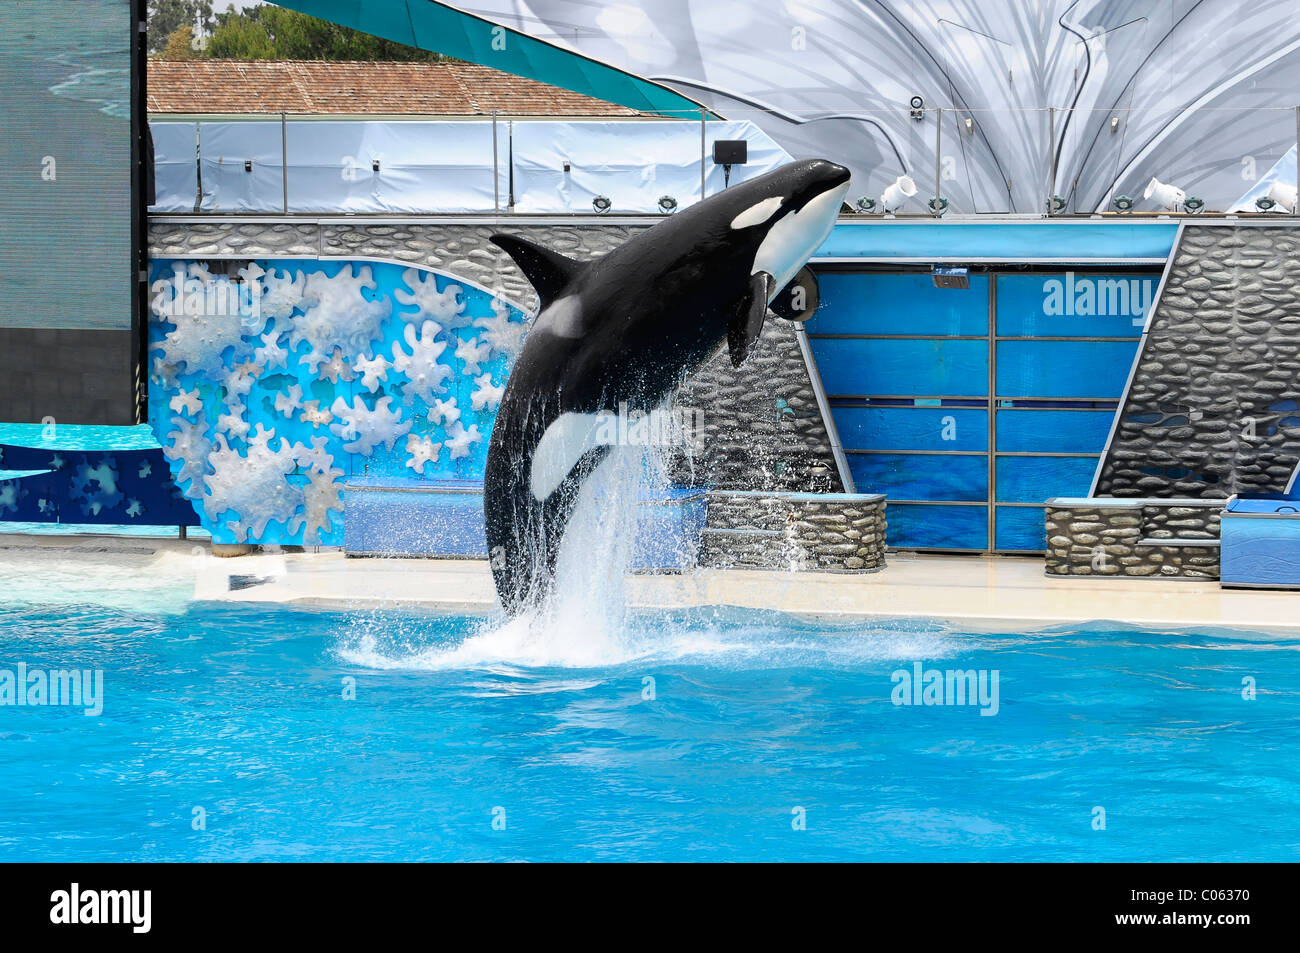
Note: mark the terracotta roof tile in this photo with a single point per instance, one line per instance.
(317, 87)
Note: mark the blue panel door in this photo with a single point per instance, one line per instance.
(969, 408)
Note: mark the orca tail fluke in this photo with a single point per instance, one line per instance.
(548, 271)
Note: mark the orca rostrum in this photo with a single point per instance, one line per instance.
(623, 332)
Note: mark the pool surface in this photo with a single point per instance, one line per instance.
(226, 734)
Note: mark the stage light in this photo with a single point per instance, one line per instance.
(1165, 195)
(1194, 205)
(667, 204)
(902, 189)
(1056, 203)
(1283, 195)
(1122, 203)
(938, 205)
(1264, 203)
(917, 105)
(601, 203)
(947, 276)
(866, 204)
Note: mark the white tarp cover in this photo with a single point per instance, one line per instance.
(175, 168)
(230, 184)
(430, 166)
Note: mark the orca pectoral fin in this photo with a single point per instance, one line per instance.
(747, 320)
(548, 271)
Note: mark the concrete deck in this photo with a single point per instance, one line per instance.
(981, 593)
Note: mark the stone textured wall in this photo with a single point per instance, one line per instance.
(1212, 409)
(1139, 538)
(834, 532)
(762, 427)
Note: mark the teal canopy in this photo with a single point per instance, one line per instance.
(442, 29)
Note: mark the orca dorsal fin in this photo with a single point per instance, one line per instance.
(548, 271)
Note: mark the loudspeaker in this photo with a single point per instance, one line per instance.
(730, 151)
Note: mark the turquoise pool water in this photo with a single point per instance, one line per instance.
(707, 735)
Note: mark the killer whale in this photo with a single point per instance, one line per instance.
(625, 331)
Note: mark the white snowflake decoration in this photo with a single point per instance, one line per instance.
(321, 495)
(186, 402)
(315, 458)
(312, 414)
(271, 354)
(444, 307)
(240, 380)
(336, 368)
(502, 334)
(373, 370)
(233, 423)
(427, 377)
(422, 450)
(286, 402)
(473, 352)
(337, 315)
(189, 444)
(364, 429)
(164, 374)
(206, 316)
(459, 440)
(444, 411)
(281, 294)
(252, 487)
(487, 395)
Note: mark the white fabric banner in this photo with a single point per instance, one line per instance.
(431, 167)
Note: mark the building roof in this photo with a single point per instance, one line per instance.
(320, 87)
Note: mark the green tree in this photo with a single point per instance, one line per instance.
(165, 17)
(271, 32)
(181, 45)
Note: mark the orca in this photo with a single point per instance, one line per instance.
(625, 331)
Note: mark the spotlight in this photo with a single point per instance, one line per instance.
(1264, 203)
(1166, 196)
(902, 189)
(667, 204)
(866, 204)
(1114, 123)
(917, 105)
(938, 205)
(248, 165)
(970, 125)
(1194, 205)
(945, 276)
(374, 165)
(1283, 195)
(601, 203)
(1056, 204)
(1123, 203)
